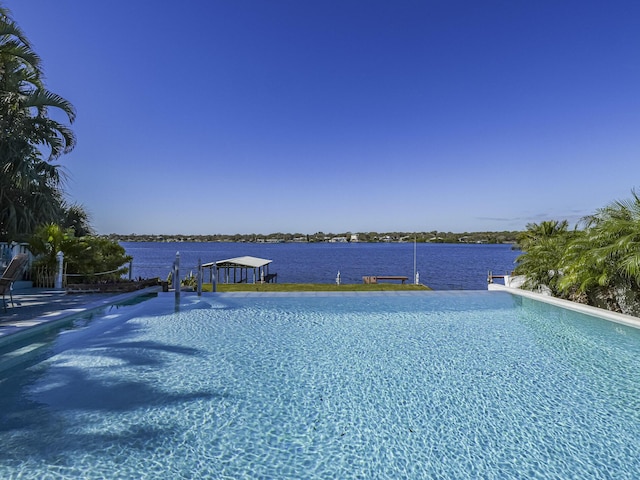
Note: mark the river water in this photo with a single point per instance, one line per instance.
(441, 266)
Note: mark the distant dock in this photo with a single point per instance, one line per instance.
(370, 279)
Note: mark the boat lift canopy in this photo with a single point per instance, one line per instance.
(260, 267)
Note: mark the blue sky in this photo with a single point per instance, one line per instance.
(257, 116)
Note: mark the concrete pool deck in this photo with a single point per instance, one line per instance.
(38, 308)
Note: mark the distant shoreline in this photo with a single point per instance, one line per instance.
(506, 237)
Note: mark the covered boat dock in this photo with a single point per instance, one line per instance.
(259, 266)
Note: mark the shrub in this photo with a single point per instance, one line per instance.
(88, 259)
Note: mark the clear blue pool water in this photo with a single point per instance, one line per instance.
(372, 386)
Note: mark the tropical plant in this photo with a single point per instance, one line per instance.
(75, 216)
(47, 241)
(190, 281)
(536, 232)
(599, 264)
(617, 228)
(30, 185)
(96, 260)
(605, 261)
(87, 259)
(544, 245)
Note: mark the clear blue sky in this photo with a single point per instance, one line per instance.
(257, 116)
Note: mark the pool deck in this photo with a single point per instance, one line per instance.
(37, 308)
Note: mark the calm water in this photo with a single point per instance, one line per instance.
(459, 385)
(441, 266)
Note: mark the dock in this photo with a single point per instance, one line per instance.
(369, 279)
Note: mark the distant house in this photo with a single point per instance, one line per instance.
(338, 240)
(354, 238)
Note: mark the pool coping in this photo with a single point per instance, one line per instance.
(621, 318)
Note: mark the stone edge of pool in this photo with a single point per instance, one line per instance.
(621, 318)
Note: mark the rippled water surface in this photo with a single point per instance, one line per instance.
(416, 385)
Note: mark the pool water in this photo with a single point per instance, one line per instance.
(372, 386)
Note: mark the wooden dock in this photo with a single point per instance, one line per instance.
(369, 279)
(491, 277)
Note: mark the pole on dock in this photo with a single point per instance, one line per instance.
(415, 272)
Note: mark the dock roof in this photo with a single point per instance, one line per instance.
(239, 262)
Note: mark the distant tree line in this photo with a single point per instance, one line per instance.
(366, 237)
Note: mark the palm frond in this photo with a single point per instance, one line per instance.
(44, 98)
(21, 51)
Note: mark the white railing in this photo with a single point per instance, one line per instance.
(10, 250)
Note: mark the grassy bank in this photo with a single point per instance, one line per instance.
(311, 287)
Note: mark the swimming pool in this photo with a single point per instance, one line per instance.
(416, 385)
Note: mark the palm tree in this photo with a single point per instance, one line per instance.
(620, 221)
(606, 259)
(76, 217)
(536, 232)
(544, 245)
(30, 186)
(13, 42)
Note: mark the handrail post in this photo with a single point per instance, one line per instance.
(176, 277)
(58, 283)
(199, 279)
